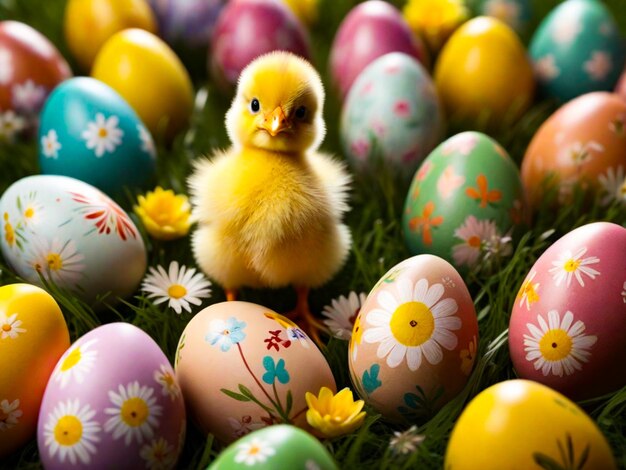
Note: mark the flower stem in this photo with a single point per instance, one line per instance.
(255, 378)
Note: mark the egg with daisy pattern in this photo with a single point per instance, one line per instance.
(415, 340)
(567, 327)
(112, 401)
(90, 133)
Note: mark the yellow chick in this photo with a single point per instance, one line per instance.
(269, 208)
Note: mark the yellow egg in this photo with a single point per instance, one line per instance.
(483, 75)
(33, 336)
(89, 23)
(150, 77)
(519, 424)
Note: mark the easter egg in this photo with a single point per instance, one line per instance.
(414, 342)
(483, 75)
(89, 23)
(391, 112)
(371, 29)
(519, 424)
(279, 446)
(71, 234)
(464, 198)
(567, 326)
(514, 13)
(242, 367)
(247, 29)
(583, 144)
(577, 49)
(129, 62)
(33, 336)
(112, 402)
(90, 133)
(188, 21)
(620, 88)
(30, 67)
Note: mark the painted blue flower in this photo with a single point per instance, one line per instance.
(275, 371)
(370, 379)
(225, 333)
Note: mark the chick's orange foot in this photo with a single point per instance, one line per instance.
(303, 316)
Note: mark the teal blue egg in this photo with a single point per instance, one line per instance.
(577, 49)
(89, 132)
(515, 13)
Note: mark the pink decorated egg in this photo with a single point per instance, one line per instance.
(247, 29)
(568, 325)
(370, 30)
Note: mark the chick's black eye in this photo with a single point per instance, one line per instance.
(301, 112)
(254, 106)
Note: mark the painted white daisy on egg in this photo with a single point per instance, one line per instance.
(147, 143)
(179, 286)
(564, 32)
(10, 125)
(165, 377)
(546, 68)
(342, 312)
(613, 184)
(10, 414)
(573, 265)
(50, 144)
(158, 455)
(10, 326)
(559, 346)
(76, 364)
(474, 234)
(253, 452)
(28, 96)
(70, 432)
(134, 414)
(103, 135)
(528, 293)
(6, 66)
(31, 208)
(598, 66)
(416, 322)
(56, 260)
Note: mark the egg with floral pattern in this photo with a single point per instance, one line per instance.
(415, 340)
(72, 235)
(515, 13)
(112, 401)
(567, 327)
(391, 113)
(464, 203)
(189, 22)
(33, 336)
(242, 367)
(90, 133)
(577, 49)
(581, 147)
(30, 67)
(247, 29)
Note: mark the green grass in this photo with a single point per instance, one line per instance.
(377, 202)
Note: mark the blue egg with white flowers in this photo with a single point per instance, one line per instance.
(89, 132)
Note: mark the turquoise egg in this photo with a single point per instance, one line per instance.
(392, 112)
(90, 133)
(515, 13)
(577, 49)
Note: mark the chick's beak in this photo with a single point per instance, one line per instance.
(275, 122)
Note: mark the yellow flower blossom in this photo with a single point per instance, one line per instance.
(9, 231)
(435, 20)
(334, 415)
(305, 10)
(164, 214)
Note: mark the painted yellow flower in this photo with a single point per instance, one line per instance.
(468, 356)
(164, 214)
(334, 415)
(435, 20)
(9, 231)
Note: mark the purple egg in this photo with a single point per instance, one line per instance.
(187, 21)
(370, 30)
(112, 402)
(247, 29)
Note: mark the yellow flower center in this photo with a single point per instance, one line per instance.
(622, 189)
(9, 233)
(7, 327)
(254, 450)
(68, 430)
(555, 345)
(28, 213)
(531, 293)
(176, 291)
(412, 324)
(474, 241)
(54, 261)
(357, 333)
(102, 133)
(134, 412)
(571, 265)
(72, 359)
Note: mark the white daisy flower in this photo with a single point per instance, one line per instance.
(28, 96)
(613, 184)
(158, 455)
(165, 377)
(598, 66)
(71, 433)
(407, 442)
(474, 233)
(342, 313)
(10, 125)
(6, 66)
(103, 135)
(135, 413)
(178, 286)
(529, 292)
(582, 153)
(10, 326)
(254, 451)
(147, 144)
(9, 414)
(558, 347)
(31, 208)
(417, 322)
(50, 145)
(573, 265)
(57, 261)
(76, 364)
(546, 68)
